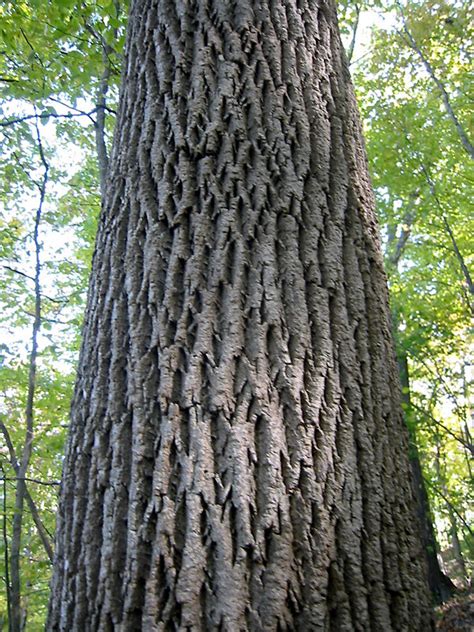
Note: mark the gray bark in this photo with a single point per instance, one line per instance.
(237, 458)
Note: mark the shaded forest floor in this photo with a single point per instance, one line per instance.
(457, 615)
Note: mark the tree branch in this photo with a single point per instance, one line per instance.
(457, 252)
(469, 446)
(350, 50)
(30, 480)
(32, 49)
(447, 104)
(15, 271)
(75, 109)
(46, 115)
(437, 490)
(45, 537)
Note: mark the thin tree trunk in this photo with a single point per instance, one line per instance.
(101, 106)
(6, 546)
(452, 512)
(99, 125)
(468, 419)
(456, 545)
(237, 458)
(396, 244)
(462, 263)
(101, 101)
(21, 491)
(451, 507)
(441, 586)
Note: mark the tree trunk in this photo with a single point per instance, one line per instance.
(237, 458)
(457, 551)
(441, 586)
(453, 531)
(17, 619)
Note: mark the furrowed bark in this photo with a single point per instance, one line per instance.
(237, 457)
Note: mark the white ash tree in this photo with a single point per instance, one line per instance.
(237, 458)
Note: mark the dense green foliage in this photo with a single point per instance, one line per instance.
(59, 73)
